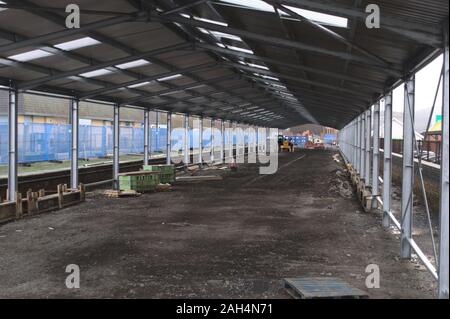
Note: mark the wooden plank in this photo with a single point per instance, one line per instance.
(19, 210)
(60, 192)
(199, 178)
(82, 189)
(118, 194)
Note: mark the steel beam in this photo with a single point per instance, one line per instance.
(74, 104)
(353, 80)
(296, 79)
(169, 139)
(176, 89)
(116, 146)
(408, 168)
(376, 154)
(330, 33)
(183, 7)
(387, 164)
(114, 87)
(13, 185)
(423, 33)
(444, 203)
(276, 41)
(368, 147)
(146, 136)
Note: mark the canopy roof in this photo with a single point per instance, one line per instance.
(270, 63)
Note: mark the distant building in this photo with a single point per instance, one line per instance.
(50, 110)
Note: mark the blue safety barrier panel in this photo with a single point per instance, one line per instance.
(45, 142)
(299, 141)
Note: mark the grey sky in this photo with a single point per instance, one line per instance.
(426, 82)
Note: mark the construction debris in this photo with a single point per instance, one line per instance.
(340, 185)
(118, 194)
(164, 188)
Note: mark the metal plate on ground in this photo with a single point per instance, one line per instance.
(322, 287)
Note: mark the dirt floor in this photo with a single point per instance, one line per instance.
(236, 238)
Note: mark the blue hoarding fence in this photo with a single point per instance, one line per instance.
(329, 138)
(298, 141)
(46, 142)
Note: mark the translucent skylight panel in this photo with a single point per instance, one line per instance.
(267, 77)
(252, 4)
(221, 35)
(203, 30)
(277, 85)
(2, 9)
(172, 77)
(322, 18)
(132, 64)
(171, 93)
(258, 66)
(318, 17)
(30, 55)
(211, 21)
(138, 85)
(240, 49)
(95, 73)
(77, 44)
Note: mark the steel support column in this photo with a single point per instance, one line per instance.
(222, 131)
(255, 139)
(187, 149)
(368, 147)
(387, 164)
(376, 154)
(156, 147)
(408, 168)
(200, 142)
(169, 139)
(74, 105)
(116, 146)
(358, 145)
(444, 203)
(13, 185)
(146, 136)
(355, 142)
(211, 138)
(362, 151)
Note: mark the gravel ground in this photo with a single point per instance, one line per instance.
(236, 238)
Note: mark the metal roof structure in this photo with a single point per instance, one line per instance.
(277, 63)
